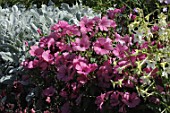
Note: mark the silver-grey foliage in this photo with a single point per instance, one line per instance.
(18, 25)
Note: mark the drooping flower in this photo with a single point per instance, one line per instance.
(103, 46)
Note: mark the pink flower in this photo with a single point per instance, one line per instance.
(48, 100)
(130, 82)
(153, 71)
(86, 25)
(49, 91)
(32, 110)
(93, 67)
(119, 51)
(82, 68)
(104, 75)
(43, 65)
(47, 56)
(79, 59)
(75, 30)
(30, 64)
(132, 16)
(141, 56)
(154, 100)
(103, 46)
(63, 47)
(50, 42)
(131, 100)
(36, 51)
(104, 24)
(82, 79)
(155, 28)
(111, 13)
(113, 24)
(61, 26)
(81, 44)
(65, 73)
(114, 99)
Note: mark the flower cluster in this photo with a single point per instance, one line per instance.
(91, 67)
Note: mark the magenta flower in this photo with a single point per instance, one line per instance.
(119, 51)
(154, 100)
(61, 25)
(63, 47)
(155, 28)
(104, 75)
(82, 79)
(79, 59)
(36, 51)
(48, 100)
(50, 42)
(114, 99)
(100, 100)
(86, 25)
(47, 56)
(112, 13)
(43, 65)
(82, 68)
(65, 73)
(104, 24)
(132, 16)
(30, 64)
(131, 100)
(74, 29)
(103, 46)
(130, 82)
(141, 56)
(81, 44)
(152, 71)
(49, 91)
